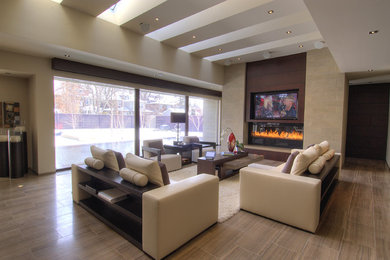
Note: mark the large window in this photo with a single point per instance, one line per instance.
(89, 113)
(203, 118)
(155, 110)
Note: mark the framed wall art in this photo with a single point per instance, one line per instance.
(11, 114)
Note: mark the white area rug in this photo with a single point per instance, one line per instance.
(229, 192)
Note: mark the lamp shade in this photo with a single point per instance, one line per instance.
(178, 117)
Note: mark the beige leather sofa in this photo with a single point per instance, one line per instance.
(291, 199)
(296, 200)
(175, 213)
(171, 214)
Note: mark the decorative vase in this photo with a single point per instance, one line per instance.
(231, 142)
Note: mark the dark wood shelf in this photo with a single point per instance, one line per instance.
(131, 230)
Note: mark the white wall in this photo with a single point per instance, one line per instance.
(388, 140)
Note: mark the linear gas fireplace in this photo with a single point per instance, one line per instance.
(286, 135)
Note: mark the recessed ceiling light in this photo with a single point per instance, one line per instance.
(156, 19)
(373, 32)
(219, 49)
(238, 58)
(67, 55)
(289, 32)
(370, 70)
(20, 186)
(193, 36)
(300, 46)
(270, 11)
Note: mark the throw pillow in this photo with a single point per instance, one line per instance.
(329, 154)
(148, 167)
(94, 163)
(119, 159)
(316, 166)
(289, 163)
(164, 173)
(303, 160)
(108, 157)
(324, 147)
(134, 177)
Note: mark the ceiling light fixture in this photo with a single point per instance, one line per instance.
(370, 70)
(193, 36)
(373, 32)
(270, 11)
(267, 55)
(156, 19)
(219, 49)
(144, 27)
(289, 32)
(319, 44)
(67, 55)
(238, 58)
(300, 46)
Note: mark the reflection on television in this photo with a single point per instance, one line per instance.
(280, 105)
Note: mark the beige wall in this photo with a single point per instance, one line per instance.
(15, 89)
(326, 101)
(71, 31)
(233, 102)
(40, 106)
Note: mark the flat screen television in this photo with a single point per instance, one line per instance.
(275, 105)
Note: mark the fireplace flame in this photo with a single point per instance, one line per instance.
(280, 135)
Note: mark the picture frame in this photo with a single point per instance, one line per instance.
(11, 114)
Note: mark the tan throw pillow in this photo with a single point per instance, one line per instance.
(329, 154)
(94, 163)
(303, 160)
(324, 147)
(134, 177)
(148, 167)
(316, 166)
(108, 157)
(119, 159)
(290, 160)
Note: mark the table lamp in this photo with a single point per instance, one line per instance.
(178, 118)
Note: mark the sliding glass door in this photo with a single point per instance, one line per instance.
(89, 113)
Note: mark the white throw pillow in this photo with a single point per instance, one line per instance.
(107, 156)
(94, 163)
(324, 147)
(316, 166)
(329, 154)
(303, 160)
(148, 167)
(134, 177)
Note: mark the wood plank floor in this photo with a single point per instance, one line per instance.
(40, 221)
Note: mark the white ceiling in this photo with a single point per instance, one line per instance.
(238, 31)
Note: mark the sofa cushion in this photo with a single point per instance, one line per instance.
(316, 166)
(190, 139)
(290, 160)
(164, 173)
(94, 163)
(303, 160)
(134, 177)
(324, 147)
(148, 167)
(108, 157)
(329, 154)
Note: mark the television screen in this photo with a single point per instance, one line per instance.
(276, 105)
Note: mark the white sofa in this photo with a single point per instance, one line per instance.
(292, 199)
(171, 214)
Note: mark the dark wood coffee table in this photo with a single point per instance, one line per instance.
(210, 166)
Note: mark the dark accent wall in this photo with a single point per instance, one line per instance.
(279, 74)
(96, 71)
(368, 114)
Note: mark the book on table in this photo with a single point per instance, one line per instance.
(112, 195)
(227, 153)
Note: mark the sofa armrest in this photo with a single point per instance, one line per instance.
(291, 199)
(175, 213)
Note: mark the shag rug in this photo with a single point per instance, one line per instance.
(229, 191)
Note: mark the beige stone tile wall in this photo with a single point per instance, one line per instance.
(326, 101)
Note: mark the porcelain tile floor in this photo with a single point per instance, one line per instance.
(40, 221)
